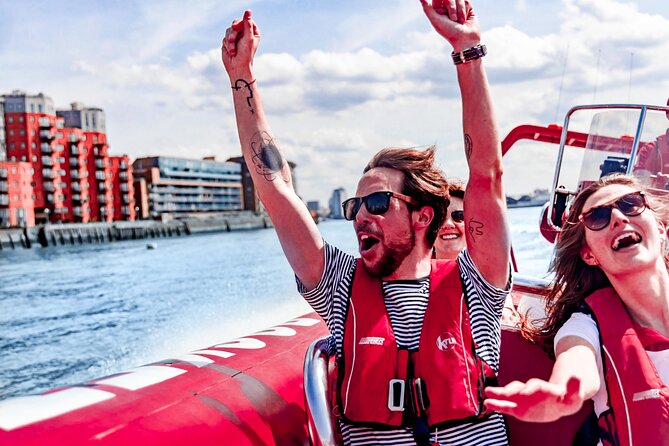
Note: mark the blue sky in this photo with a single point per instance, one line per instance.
(340, 79)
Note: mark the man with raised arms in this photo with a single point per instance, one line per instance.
(415, 339)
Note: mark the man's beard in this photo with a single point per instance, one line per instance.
(393, 256)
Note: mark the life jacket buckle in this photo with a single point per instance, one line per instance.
(396, 395)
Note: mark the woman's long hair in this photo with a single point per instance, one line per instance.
(574, 279)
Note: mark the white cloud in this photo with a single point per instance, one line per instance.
(384, 79)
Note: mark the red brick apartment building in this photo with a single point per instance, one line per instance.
(123, 188)
(67, 150)
(16, 194)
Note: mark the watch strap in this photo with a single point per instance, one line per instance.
(473, 53)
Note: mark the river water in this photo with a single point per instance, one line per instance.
(72, 314)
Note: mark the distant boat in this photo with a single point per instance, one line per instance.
(151, 246)
(538, 198)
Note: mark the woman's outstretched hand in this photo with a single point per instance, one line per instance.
(536, 400)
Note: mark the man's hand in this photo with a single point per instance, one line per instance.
(239, 45)
(455, 20)
(536, 400)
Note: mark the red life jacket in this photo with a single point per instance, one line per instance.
(446, 360)
(638, 399)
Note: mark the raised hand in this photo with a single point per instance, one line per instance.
(536, 400)
(240, 44)
(455, 20)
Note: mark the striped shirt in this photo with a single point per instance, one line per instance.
(406, 302)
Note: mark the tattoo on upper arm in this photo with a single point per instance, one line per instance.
(241, 83)
(469, 146)
(267, 158)
(475, 228)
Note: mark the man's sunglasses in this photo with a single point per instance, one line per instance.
(377, 203)
(599, 217)
(458, 216)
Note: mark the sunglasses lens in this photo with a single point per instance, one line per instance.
(458, 216)
(631, 204)
(597, 218)
(377, 203)
(351, 207)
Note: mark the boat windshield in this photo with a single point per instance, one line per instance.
(601, 140)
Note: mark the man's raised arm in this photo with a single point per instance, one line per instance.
(485, 203)
(299, 237)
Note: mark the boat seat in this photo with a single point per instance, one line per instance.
(521, 360)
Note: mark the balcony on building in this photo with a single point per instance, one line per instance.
(76, 187)
(45, 122)
(47, 161)
(100, 175)
(47, 134)
(99, 164)
(74, 162)
(74, 150)
(48, 186)
(47, 173)
(46, 147)
(75, 174)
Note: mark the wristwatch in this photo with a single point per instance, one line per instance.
(464, 56)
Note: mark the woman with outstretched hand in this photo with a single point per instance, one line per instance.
(608, 319)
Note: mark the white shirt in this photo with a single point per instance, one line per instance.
(584, 326)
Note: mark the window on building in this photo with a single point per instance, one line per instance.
(11, 132)
(20, 118)
(39, 108)
(14, 169)
(32, 119)
(34, 158)
(22, 132)
(32, 108)
(33, 145)
(34, 197)
(23, 145)
(16, 197)
(10, 119)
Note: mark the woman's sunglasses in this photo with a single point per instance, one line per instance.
(599, 217)
(377, 203)
(458, 216)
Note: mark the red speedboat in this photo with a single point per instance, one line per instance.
(260, 389)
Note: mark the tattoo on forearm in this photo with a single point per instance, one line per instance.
(475, 228)
(469, 146)
(266, 157)
(241, 83)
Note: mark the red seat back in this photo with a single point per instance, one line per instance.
(521, 360)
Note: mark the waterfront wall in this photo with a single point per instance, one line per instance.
(89, 233)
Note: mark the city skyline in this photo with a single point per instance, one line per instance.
(358, 76)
